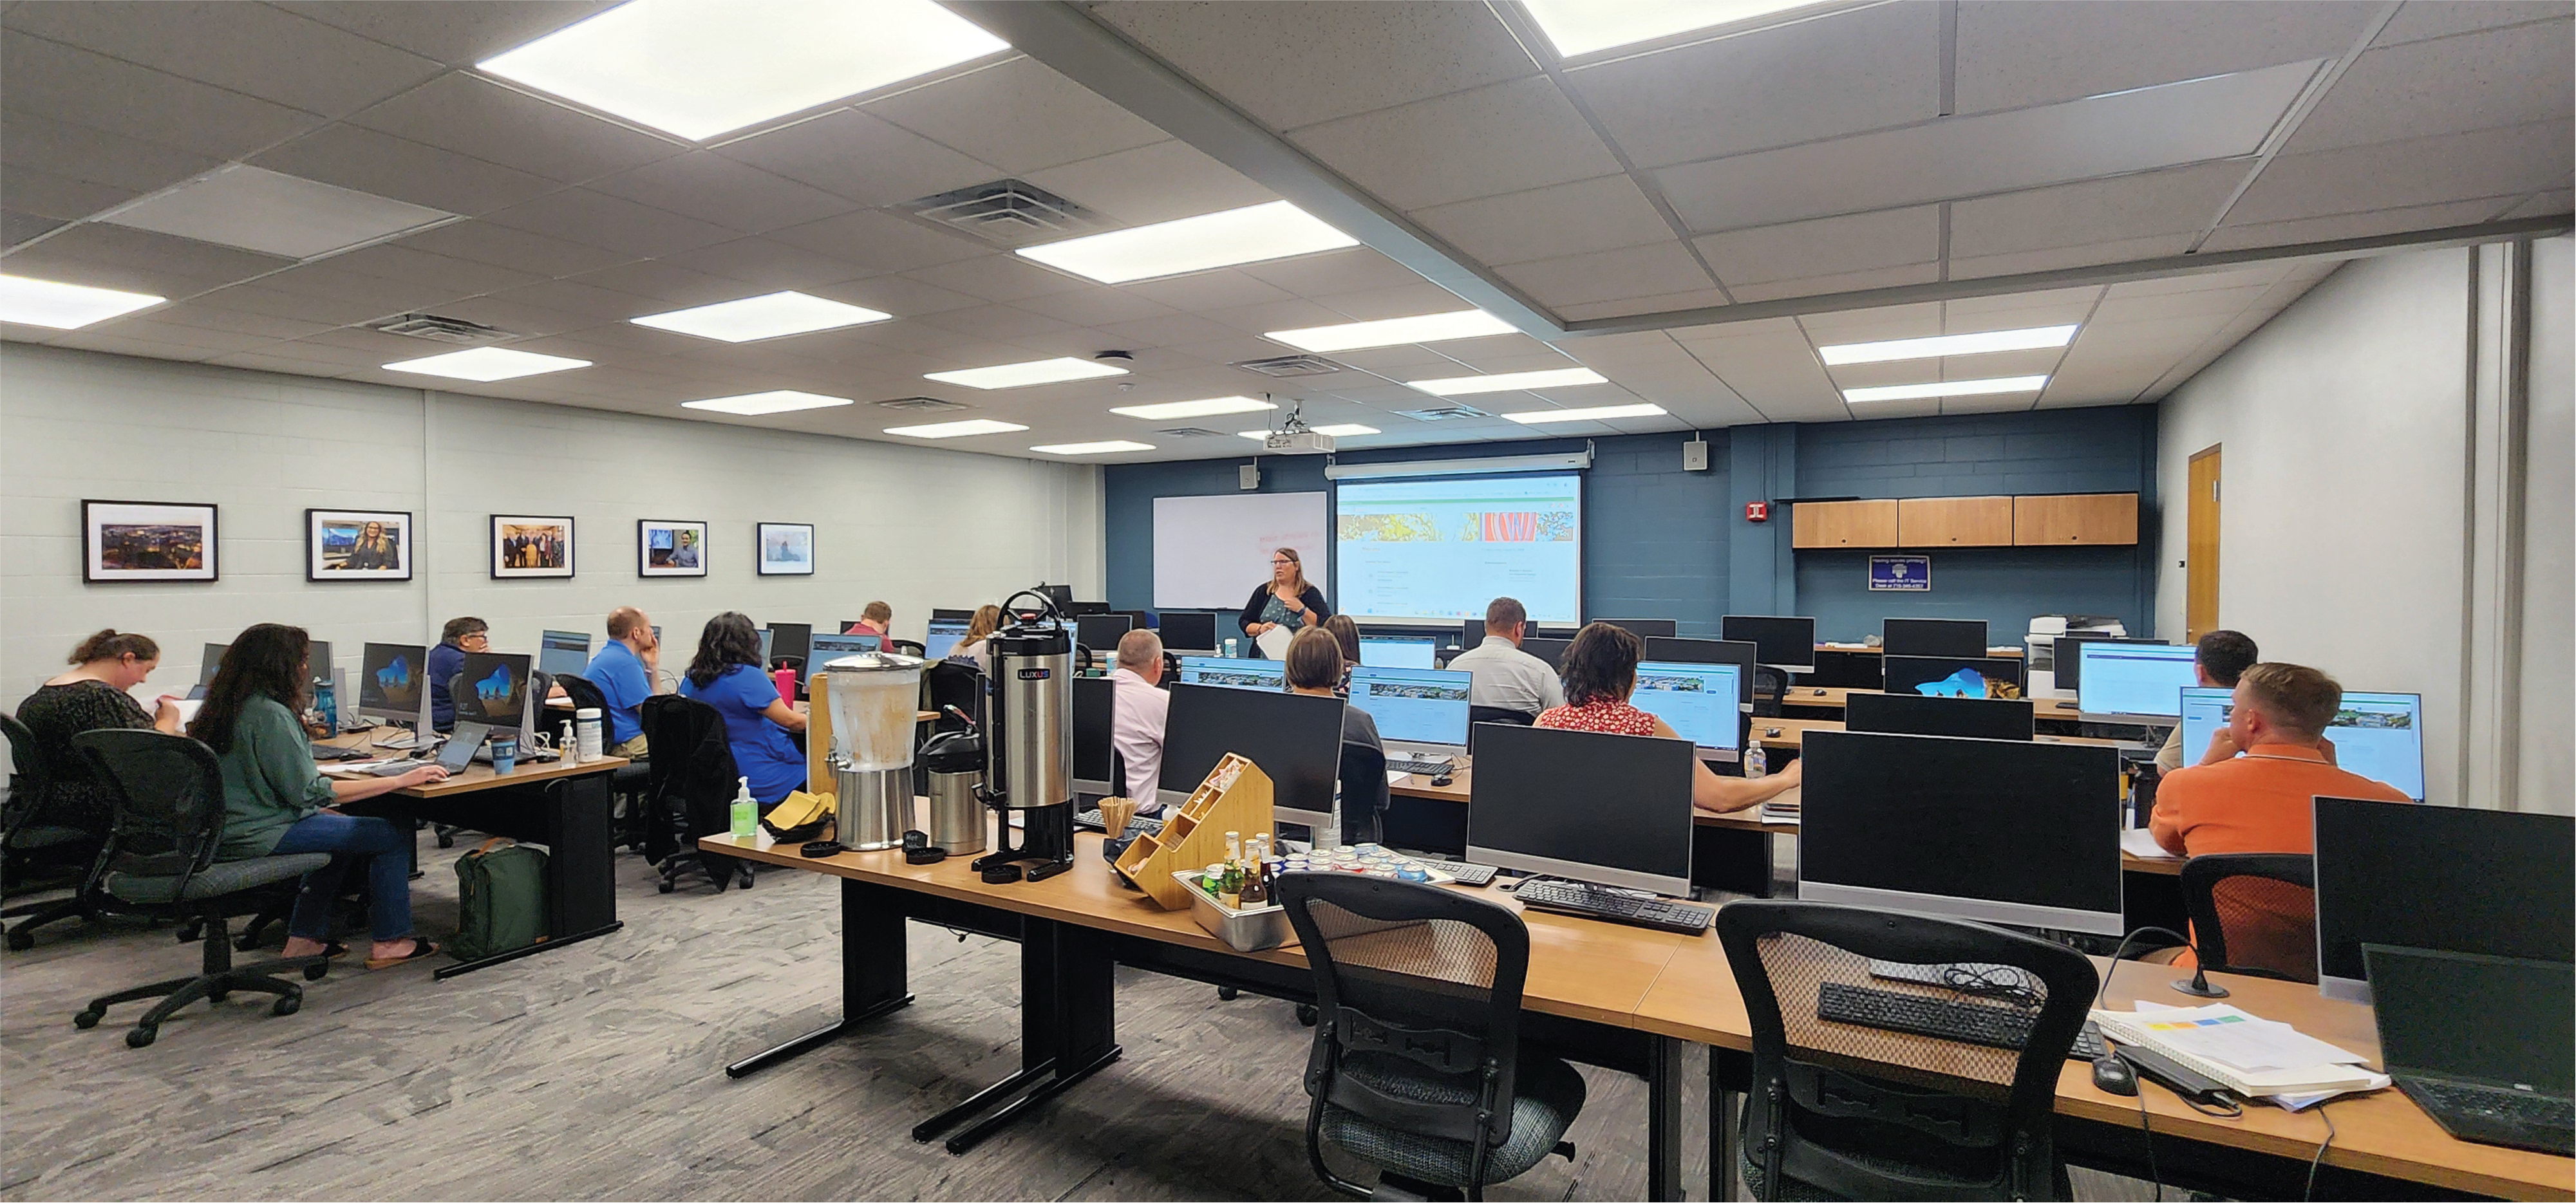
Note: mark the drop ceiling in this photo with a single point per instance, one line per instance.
(1795, 169)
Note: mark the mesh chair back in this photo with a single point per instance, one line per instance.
(584, 695)
(1363, 792)
(1769, 685)
(952, 683)
(1867, 1113)
(2254, 912)
(693, 770)
(907, 647)
(27, 774)
(1478, 716)
(169, 799)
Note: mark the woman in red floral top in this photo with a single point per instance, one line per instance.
(1600, 672)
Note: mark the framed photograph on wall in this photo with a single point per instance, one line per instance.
(786, 548)
(670, 548)
(524, 546)
(357, 545)
(147, 541)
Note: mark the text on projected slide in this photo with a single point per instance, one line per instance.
(1442, 549)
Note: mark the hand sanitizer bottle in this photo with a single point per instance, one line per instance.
(746, 813)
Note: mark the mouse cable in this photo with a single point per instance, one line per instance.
(2320, 1158)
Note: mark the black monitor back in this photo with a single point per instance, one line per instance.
(1619, 803)
(2449, 878)
(1189, 632)
(1961, 637)
(1777, 640)
(1644, 628)
(1095, 703)
(1101, 632)
(1550, 650)
(1914, 714)
(1295, 738)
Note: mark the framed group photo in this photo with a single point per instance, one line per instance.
(786, 548)
(526, 547)
(357, 545)
(147, 541)
(670, 548)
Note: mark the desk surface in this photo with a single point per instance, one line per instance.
(1794, 730)
(2013, 651)
(1414, 785)
(479, 776)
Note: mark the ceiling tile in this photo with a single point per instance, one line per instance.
(666, 282)
(2108, 380)
(248, 48)
(2054, 307)
(1816, 286)
(366, 297)
(1667, 302)
(2475, 81)
(362, 159)
(598, 219)
(459, 35)
(1830, 247)
(2120, 308)
(852, 154)
(516, 317)
(268, 302)
(2178, 200)
(1843, 73)
(2543, 204)
(1095, 306)
(1179, 329)
(998, 278)
(2013, 54)
(595, 305)
(919, 335)
(44, 194)
(1293, 314)
(882, 242)
(2008, 403)
(1001, 323)
(1267, 56)
(94, 156)
(137, 261)
(105, 339)
(2358, 225)
(1018, 115)
(1544, 223)
(2420, 19)
(1873, 325)
(895, 295)
(1507, 137)
(1879, 411)
(1351, 269)
(1607, 275)
(484, 242)
(207, 317)
(68, 84)
(2117, 251)
(1161, 182)
(2525, 158)
(208, 341)
(769, 263)
(707, 186)
(1769, 364)
(475, 117)
(1220, 289)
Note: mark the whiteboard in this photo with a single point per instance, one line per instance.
(1212, 552)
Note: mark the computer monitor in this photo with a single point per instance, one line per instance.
(1964, 638)
(942, 637)
(1399, 651)
(823, 649)
(1613, 810)
(1788, 644)
(765, 636)
(788, 640)
(1998, 831)
(2133, 682)
(1080, 608)
(1234, 673)
(1914, 714)
(391, 677)
(1416, 709)
(317, 660)
(1644, 627)
(210, 660)
(563, 653)
(2448, 878)
(1947, 676)
(1471, 633)
(940, 615)
(1552, 651)
(2378, 735)
(1697, 701)
(2523, 1011)
(1737, 652)
(493, 690)
(1296, 739)
(1062, 596)
(1101, 632)
(1095, 705)
(2066, 666)
(1188, 632)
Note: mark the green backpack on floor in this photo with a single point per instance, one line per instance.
(501, 899)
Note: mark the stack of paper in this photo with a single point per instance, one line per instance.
(2255, 1057)
(2141, 842)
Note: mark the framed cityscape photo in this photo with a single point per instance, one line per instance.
(357, 545)
(525, 547)
(786, 548)
(147, 541)
(670, 548)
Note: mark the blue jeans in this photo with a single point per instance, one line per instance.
(386, 850)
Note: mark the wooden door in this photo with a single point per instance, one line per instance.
(2200, 547)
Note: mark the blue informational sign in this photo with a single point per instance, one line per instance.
(1900, 574)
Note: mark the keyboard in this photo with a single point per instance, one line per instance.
(1921, 1015)
(1095, 821)
(2515, 1106)
(1466, 874)
(1639, 910)
(1419, 764)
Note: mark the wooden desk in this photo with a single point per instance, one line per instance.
(2163, 866)
(1862, 649)
(1820, 697)
(1793, 732)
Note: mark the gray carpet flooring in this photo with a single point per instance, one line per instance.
(596, 1072)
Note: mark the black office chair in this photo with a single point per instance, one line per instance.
(169, 798)
(1480, 715)
(629, 783)
(31, 840)
(1769, 686)
(952, 683)
(1417, 1066)
(689, 792)
(1935, 1118)
(2253, 913)
(1364, 793)
(907, 647)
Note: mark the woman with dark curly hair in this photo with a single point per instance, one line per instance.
(1600, 672)
(93, 696)
(727, 674)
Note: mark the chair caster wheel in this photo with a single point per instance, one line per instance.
(742, 877)
(216, 996)
(313, 973)
(446, 841)
(287, 1005)
(140, 1037)
(1306, 1014)
(21, 941)
(1227, 993)
(666, 886)
(88, 1019)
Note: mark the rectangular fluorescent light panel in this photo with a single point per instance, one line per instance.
(1341, 430)
(1194, 409)
(776, 401)
(1578, 27)
(699, 68)
(752, 318)
(1395, 331)
(2034, 339)
(488, 364)
(1646, 409)
(55, 306)
(1275, 230)
(1021, 375)
(951, 430)
(1093, 448)
(1947, 388)
(1454, 386)
(274, 214)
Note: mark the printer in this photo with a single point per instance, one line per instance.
(2039, 648)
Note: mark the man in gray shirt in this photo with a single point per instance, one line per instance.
(1504, 675)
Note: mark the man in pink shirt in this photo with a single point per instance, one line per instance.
(1136, 724)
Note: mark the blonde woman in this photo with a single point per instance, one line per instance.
(1285, 602)
(972, 648)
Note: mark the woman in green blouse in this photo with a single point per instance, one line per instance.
(277, 803)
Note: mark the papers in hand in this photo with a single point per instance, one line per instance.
(2253, 1056)
(2141, 843)
(1274, 642)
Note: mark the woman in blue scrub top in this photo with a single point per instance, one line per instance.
(727, 675)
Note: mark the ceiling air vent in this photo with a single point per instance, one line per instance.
(1008, 213)
(1192, 432)
(1291, 365)
(438, 329)
(1444, 413)
(922, 405)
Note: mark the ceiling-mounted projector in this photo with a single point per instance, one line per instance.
(1297, 442)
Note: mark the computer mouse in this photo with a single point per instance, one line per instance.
(1444, 779)
(1770, 733)
(1820, 692)
(2113, 1075)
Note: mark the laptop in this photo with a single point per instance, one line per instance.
(2485, 1045)
(461, 746)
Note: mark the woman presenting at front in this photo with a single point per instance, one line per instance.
(1286, 603)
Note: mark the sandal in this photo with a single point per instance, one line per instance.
(419, 948)
(332, 949)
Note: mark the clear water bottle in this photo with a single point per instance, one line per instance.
(746, 813)
(1756, 763)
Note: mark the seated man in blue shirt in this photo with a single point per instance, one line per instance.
(625, 671)
(461, 635)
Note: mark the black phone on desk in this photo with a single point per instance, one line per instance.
(2183, 1080)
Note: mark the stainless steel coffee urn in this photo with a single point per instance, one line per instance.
(875, 697)
(1028, 741)
(955, 764)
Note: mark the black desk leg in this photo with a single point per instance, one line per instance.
(1664, 1119)
(873, 962)
(581, 875)
(1068, 1030)
(1723, 1104)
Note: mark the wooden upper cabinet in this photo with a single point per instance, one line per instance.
(1843, 524)
(2076, 520)
(1954, 522)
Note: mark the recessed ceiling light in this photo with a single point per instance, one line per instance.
(1021, 375)
(1948, 388)
(751, 318)
(55, 306)
(1194, 409)
(2033, 339)
(1093, 448)
(1342, 430)
(951, 430)
(775, 401)
(488, 364)
(1454, 386)
(274, 214)
(1578, 27)
(1395, 331)
(1646, 409)
(1248, 235)
(699, 68)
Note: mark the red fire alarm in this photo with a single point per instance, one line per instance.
(1757, 511)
